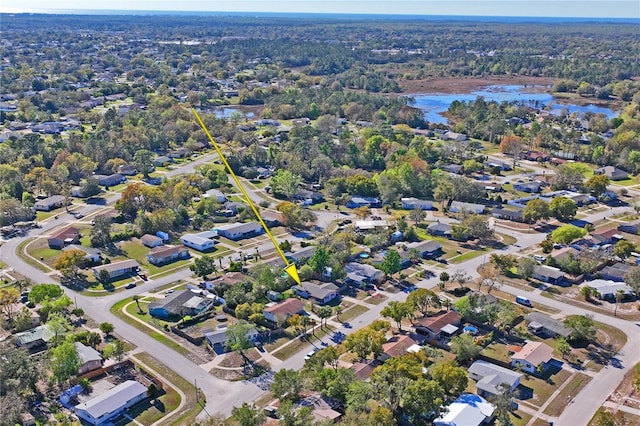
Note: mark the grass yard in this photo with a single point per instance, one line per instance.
(542, 389)
(296, 344)
(497, 351)
(468, 255)
(135, 250)
(520, 418)
(150, 411)
(191, 407)
(577, 383)
(352, 313)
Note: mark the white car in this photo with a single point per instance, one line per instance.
(539, 258)
(310, 354)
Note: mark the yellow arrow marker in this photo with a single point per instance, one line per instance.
(291, 267)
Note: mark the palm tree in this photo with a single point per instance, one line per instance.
(619, 298)
(136, 298)
(504, 403)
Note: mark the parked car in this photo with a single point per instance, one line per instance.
(130, 285)
(539, 258)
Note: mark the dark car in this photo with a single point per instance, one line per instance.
(130, 285)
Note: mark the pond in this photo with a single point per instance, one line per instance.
(226, 112)
(434, 104)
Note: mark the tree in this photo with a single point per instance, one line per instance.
(65, 361)
(320, 260)
(107, 328)
(22, 320)
(488, 276)
(286, 384)
(632, 278)
(563, 346)
(452, 378)
(512, 145)
(391, 263)
(504, 403)
(546, 245)
(90, 187)
(19, 372)
(362, 212)
(9, 297)
(58, 325)
(422, 396)
(465, 348)
(597, 184)
(41, 292)
(471, 166)
(365, 342)
(100, 234)
(323, 313)
(536, 210)
(238, 336)
(417, 215)
(526, 266)
(460, 277)
(248, 415)
(203, 266)
(285, 183)
(295, 216)
(623, 249)
(582, 327)
(620, 294)
(421, 299)
(478, 226)
(143, 160)
(567, 233)
(294, 416)
(504, 262)
(115, 350)
(586, 292)
(397, 311)
(70, 262)
(563, 208)
(568, 176)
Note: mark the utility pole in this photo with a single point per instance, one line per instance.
(195, 384)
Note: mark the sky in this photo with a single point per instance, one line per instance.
(534, 8)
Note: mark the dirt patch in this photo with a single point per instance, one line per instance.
(471, 84)
(626, 393)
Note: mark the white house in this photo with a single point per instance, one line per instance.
(467, 410)
(607, 289)
(117, 269)
(100, 410)
(416, 204)
(197, 241)
(239, 231)
(490, 377)
(459, 207)
(216, 194)
(50, 203)
(90, 254)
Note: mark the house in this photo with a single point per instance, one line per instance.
(63, 237)
(396, 346)
(226, 280)
(322, 293)
(37, 337)
(453, 136)
(607, 289)
(162, 255)
(444, 324)
(439, 229)
(100, 410)
(427, 249)
(309, 197)
(50, 203)
(216, 194)
(239, 231)
(112, 180)
(455, 169)
(300, 122)
(530, 187)
(609, 236)
(500, 165)
(370, 225)
(543, 324)
(218, 339)
(416, 204)
(459, 207)
(280, 312)
(90, 359)
(162, 160)
(127, 170)
(179, 153)
(302, 254)
(536, 156)
(180, 303)
(613, 173)
(467, 410)
(363, 369)
(490, 377)
(151, 241)
(615, 272)
(199, 241)
(549, 274)
(118, 269)
(358, 201)
(367, 273)
(90, 254)
(272, 218)
(516, 215)
(630, 228)
(532, 355)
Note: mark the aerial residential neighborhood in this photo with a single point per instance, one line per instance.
(226, 220)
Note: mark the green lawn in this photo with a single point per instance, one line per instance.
(577, 383)
(296, 344)
(542, 389)
(468, 255)
(135, 250)
(353, 312)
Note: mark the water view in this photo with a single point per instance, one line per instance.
(434, 104)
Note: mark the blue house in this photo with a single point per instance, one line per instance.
(358, 201)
